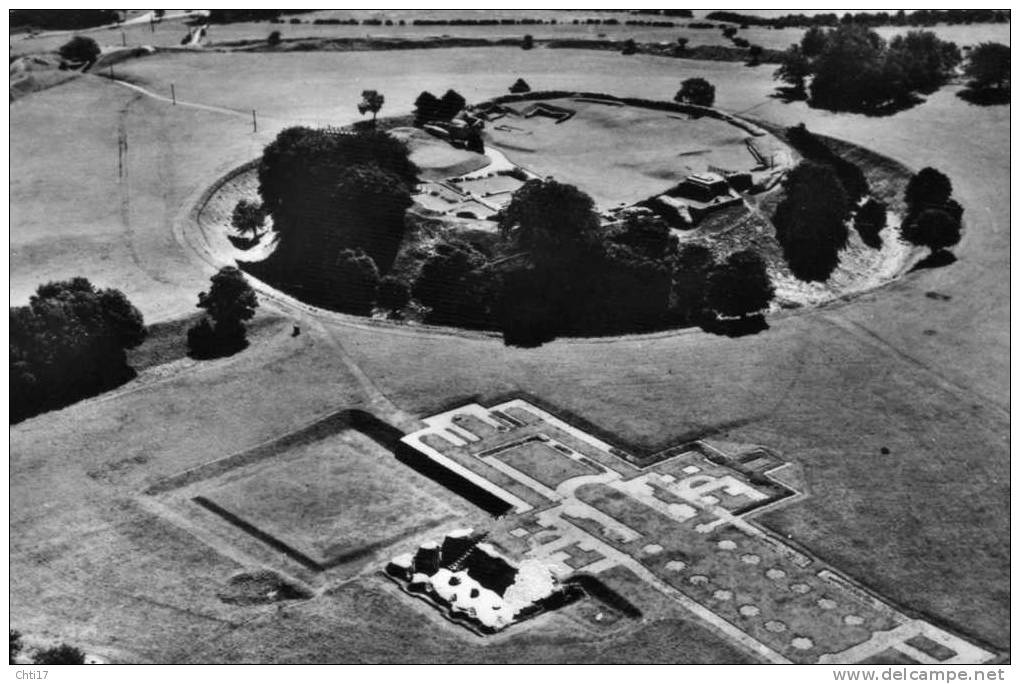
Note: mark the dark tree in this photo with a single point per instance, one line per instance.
(988, 66)
(629, 47)
(551, 220)
(394, 293)
(426, 108)
(327, 190)
(924, 62)
(813, 42)
(299, 168)
(70, 342)
(60, 655)
(371, 101)
(935, 229)
(526, 313)
(755, 52)
(794, 69)
(729, 31)
(810, 219)
(696, 91)
(928, 187)
(229, 302)
(248, 217)
(851, 71)
(356, 283)
(80, 49)
(369, 205)
(520, 86)
(869, 221)
(451, 104)
(855, 70)
(528, 42)
(690, 278)
(274, 38)
(449, 286)
(739, 286)
(815, 149)
(646, 237)
(16, 645)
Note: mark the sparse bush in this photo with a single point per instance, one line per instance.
(248, 217)
(371, 101)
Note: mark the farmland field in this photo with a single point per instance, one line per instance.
(894, 404)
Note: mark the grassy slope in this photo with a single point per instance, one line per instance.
(829, 388)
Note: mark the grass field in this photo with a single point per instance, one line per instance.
(923, 524)
(619, 154)
(170, 33)
(541, 462)
(335, 497)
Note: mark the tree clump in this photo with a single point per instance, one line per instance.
(70, 342)
(739, 286)
(934, 218)
(810, 221)
(427, 107)
(549, 219)
(80, 49)
(987, 69)
(355, 284)
(327, 191)
(450, 285)
(696, 91)
(851, 68)
(228, 304)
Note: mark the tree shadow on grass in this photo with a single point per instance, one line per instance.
(937, 259)
(789, 94)
(887, 108)
(244, 243)
(985, 97)
(735, 327)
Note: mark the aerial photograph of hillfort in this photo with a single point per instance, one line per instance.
(535, 336)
